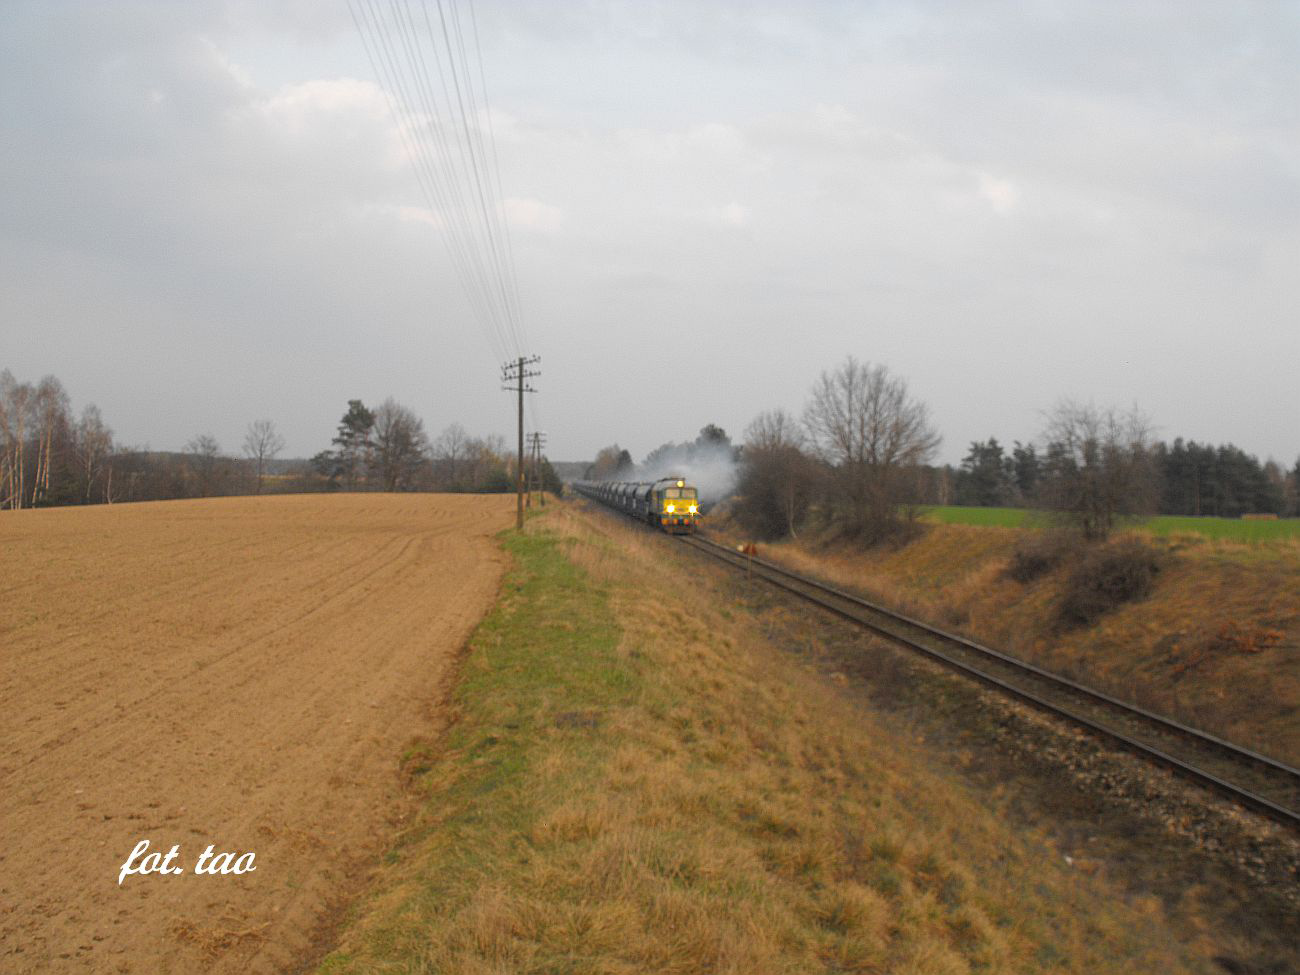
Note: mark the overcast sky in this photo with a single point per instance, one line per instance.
(207, 216)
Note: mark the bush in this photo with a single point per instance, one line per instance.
(1036, 556)
(760, 515)
(1106, 578)
(774, 489)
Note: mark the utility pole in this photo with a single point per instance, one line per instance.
(532, 449)
(528, 482)
(517, 372)
(536, 441)
(541, 442)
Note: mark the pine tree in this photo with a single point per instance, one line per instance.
(353, 442)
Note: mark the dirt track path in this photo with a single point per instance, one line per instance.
(236, 672)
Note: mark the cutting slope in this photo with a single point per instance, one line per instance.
(236, 672)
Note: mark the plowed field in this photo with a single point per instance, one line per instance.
(237, 672)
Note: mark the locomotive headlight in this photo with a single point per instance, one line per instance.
(693, 509)
(671, 508)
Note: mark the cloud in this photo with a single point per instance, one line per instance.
(1001, 194)
(301, 108)
(415, 215)
(731, 215)
(715, 138)
(992, 199)
(685, 146)
(533, 215)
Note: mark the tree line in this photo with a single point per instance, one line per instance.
(50, 455)
(858, 462)
(387, 449)
(1190, 479)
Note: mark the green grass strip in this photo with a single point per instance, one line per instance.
(541, 671)
(1226, 529)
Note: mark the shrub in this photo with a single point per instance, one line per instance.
(1106, 578)
(1037, 555)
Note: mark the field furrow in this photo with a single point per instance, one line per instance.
(236, 672)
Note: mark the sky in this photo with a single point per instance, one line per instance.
(208, 216)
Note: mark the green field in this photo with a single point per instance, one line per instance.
(1228, 529)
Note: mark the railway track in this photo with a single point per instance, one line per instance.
(1252, 780)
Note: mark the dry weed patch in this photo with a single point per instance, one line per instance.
(722, 810)
(1212, 639)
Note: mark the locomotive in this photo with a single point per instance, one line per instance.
(669, 503)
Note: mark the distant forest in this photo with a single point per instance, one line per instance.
(1193, 479)
(50, 456)
(859, 461)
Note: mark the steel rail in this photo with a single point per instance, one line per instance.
(791, 581)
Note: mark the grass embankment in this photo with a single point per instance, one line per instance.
(1216, 643)
(637, 782)
(1246, 530)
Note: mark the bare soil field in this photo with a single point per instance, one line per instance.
(237, 672)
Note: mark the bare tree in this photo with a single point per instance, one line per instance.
(611, 462)
(777, 476)
(205, 454)
(261, 444)
(50, 408)
(1099, 466)
(865, 424)
(450, 451)
(490, 464)
(400, 445)
(114, 453)
(15, 418)
(92, 445)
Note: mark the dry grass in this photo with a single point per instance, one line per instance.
(1215, 643)
(640, 783)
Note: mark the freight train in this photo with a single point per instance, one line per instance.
(669, 504)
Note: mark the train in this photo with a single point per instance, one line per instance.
(669, 504)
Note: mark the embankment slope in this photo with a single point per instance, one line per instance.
(1216, 643)
(639, 781)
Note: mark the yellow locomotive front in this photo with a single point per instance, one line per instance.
(677, 506)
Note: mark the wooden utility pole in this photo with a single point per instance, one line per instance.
(541, 442)
(517, 372)
(535, 443)
(532, 448)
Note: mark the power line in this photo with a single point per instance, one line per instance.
(439, 191)
(441, 124)
(428, 74)
(476, 170)
(496, 169)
